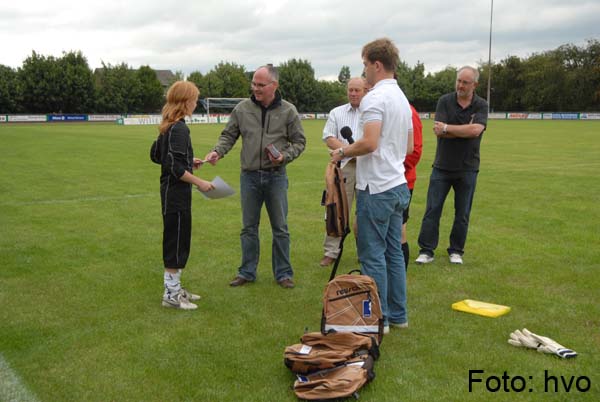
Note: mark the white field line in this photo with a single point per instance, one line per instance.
(82, 199)
(121, 197)
(11, 388)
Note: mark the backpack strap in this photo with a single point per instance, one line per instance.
(339, 257)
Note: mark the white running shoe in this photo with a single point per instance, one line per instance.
(455, 258)
(386, 329)
(403, 325)
(189, 295)
(179, 301)
(424, 259)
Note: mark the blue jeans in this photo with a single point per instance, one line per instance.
(379, 218)
(440, 183)
(270, 188)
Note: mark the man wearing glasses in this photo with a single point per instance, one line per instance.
(460, 120)
(263, 120)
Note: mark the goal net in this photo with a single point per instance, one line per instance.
(220, 105)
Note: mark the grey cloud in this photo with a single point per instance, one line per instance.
(195, 35)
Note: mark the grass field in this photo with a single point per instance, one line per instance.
(81, 274)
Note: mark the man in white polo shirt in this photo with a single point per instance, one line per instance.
(382, 192)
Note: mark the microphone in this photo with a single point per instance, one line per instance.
(347, 134)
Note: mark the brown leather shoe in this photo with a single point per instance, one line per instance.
(286, 283)
(238, 281)
(326, 261)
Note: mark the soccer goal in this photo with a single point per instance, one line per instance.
(220, 105)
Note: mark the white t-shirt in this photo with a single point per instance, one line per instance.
(383, 168)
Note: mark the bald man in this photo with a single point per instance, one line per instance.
(346, 115)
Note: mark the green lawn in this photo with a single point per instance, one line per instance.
(81, 273)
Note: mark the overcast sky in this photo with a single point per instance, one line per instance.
(195, 35)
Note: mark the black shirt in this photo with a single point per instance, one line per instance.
(177, 158)
(459, 154)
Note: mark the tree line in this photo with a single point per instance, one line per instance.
(564, 79)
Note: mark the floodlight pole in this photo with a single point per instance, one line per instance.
(489, 85)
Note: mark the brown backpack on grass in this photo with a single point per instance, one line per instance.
(351, 304)
(335, 202)
(337, 382)
(318, 351)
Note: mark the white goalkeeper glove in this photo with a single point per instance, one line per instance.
(522, 339)
(550, 346)
(542, 344)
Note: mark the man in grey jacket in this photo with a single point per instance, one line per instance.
(262, 120)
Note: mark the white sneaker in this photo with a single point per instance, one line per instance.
(179, 301)
(189, 295)
(386, 329)
(424, 259)
(403, 325)
(455, 258)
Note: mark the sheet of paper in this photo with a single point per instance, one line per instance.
(221, 190)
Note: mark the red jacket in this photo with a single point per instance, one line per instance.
(410, 162)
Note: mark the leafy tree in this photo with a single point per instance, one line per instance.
(234, 80)
(404, 79)
(77, 84)
(177, 76)
(197, 78)
(344, 75)
(563, 79)
(118, 90)
(434, 86)
(507, 85)
(40, 82)
(152, 96)
(544, 83)
(329, 95)
(225, 80)
(412, 82)
(213, 86)
(10, 94)
(581, 75)
(298, 85)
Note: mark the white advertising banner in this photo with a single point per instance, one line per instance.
(589, 116)
(197, 119)
(517, 116)
(26, 118)
(134, 121)
(144, 116)
(3, 119)
(565, 116)
(103, 117)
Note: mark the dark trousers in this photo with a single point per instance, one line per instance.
(177, 235)
(440, 182)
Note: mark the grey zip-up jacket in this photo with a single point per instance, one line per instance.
(279, 124)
